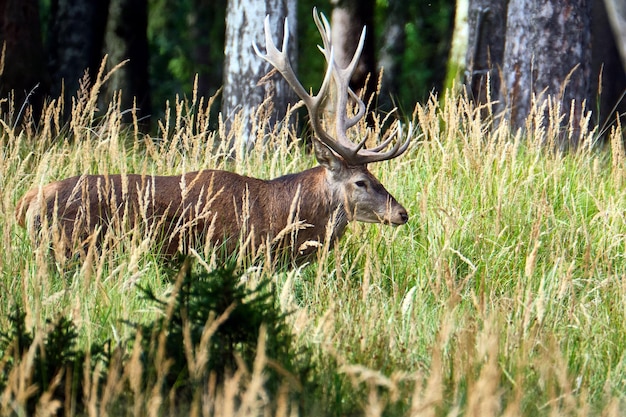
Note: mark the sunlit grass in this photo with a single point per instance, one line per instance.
(503, 295)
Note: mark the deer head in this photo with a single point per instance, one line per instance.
(363, 197)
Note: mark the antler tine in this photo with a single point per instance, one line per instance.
(323, 28)
(279, 60)
(352, 153)
(355, 154)
(374, 154)
(342, 79)
(340, 144)
(350, 122)
(385, 143)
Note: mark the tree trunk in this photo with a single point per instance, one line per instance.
(485, 53)
(23, 59)
(348, 19)
(206, 26)
(243, 68)
(458, 45)
(548, 53)
(126, 38)
(609, 73)
(391, 52)
(617, 15)
(75, 43)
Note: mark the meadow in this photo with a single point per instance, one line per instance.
(504, 294)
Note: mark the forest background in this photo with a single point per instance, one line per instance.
(424, 47)
(182, 39)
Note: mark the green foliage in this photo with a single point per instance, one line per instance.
(210, 329)
(428, 36)
(174, 61)
(186, 38)
(52, 362)
(428, 32)
(217, 315)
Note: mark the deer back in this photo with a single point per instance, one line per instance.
(206, 207)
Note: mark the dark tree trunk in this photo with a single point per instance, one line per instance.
(75, 43)
(617, 17)
(126, 39)
(206, 21)
(348, 19)
(609, 74)
(485, 52)
(519, 62)
(548, 52)
(24, 69)
(392, 50)
(243, 69)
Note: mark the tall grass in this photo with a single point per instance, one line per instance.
(503, 295)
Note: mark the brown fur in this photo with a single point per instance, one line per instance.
(226, 205)
(290, 213)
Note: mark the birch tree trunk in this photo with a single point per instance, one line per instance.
(243, 68)
(548, 53)
(458, 45)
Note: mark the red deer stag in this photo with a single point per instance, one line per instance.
(290, 215)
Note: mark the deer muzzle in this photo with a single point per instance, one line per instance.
(398, 217)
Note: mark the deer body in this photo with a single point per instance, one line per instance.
(292, 214)
(212, 206)
(185, 209)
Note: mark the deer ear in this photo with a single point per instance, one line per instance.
(326, 157)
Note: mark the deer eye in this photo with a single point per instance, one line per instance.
(361, 184)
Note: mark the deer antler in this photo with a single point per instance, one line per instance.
(353, 154)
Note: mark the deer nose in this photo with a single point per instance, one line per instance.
(400, 217)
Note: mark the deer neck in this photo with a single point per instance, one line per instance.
(311, 201)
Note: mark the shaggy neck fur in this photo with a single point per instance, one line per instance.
(305, 201)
